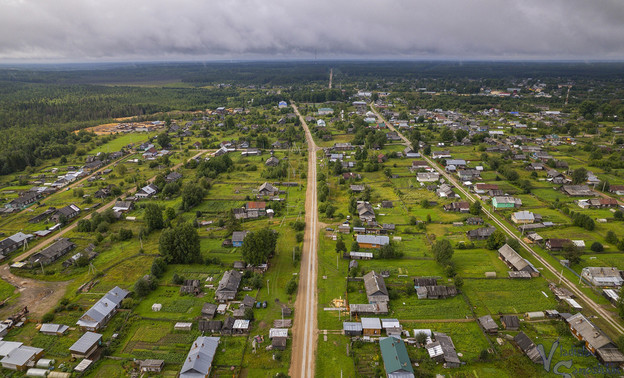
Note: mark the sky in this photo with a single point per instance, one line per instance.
(166, 30)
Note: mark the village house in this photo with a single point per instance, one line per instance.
(278, 337)
(462, 207)
(151, 366)
(147, 191)
(86, 345)
(372, 241)
(238, 237)
(209, 310)
(488, 324)
(595, 341)
(523, 217)
(23, 201)
(515, 262)
(19, 357)
(325, 111)
(173, 177)
(53, 329)
(603, 276)
(375, 286)
(123, 206)
(510, 322)
(506, 202)
(67, 212)
(480, 233)
(468, 174)
(578, 191)
(52, 253)
(396, 360)
(356, 309)
(371, 326)
(365, 212)
(443, 350)
(103, 310)
(445, 191)
(228, 286)
(267, 190)
(556, 245)
(441, 154)
(617, 189)
(14, 242)
(198, 362)
(427, 176)
(192, 287)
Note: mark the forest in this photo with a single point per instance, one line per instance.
(41, 106)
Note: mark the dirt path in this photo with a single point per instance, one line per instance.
(305, 325)
(39, 296)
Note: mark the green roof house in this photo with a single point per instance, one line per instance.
(396, 360)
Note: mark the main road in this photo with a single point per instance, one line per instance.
(606, 315)
(305, 327)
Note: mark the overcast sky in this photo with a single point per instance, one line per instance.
(118, 30)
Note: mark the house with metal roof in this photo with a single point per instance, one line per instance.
(603, 276)
(103, 310)
(371, 326)
(21, 357)
(147, 191)
(506, 202)
(396, 360)
(198, 362)
(523, 217)
(86, 345)
(53, 329)
(595, 340)
(376, 290)
(228, 286)
(515, 262)
(372, 241)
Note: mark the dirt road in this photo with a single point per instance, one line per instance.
(305, 326)
(608, 316)
(39, 296)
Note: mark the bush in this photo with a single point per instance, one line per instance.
(597, 247)
(47, 318)
(125, 234)
(177, 280)
(291, 287)
(298, 225)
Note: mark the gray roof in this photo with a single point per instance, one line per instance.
(21, 355)
(86, 342)
(371, 323)
(488, 323)
(230, 281)
(239, 236)
(352, 326)
(53, 328)
(514, 259)
(375, 285)
(373, 239)
(588, 331)
(199, 359)
(102, 308)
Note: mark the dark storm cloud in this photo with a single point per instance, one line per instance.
(193, 29)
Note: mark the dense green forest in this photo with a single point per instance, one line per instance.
(41, 106)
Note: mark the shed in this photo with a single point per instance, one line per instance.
(488, 324)
(371, 326)
(510, 322)
(352, 328)
(86, 345)
(151, 366)
(53, 329)
(181, 326)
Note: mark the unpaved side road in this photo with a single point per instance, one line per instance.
(305, 325)
(39, 296)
